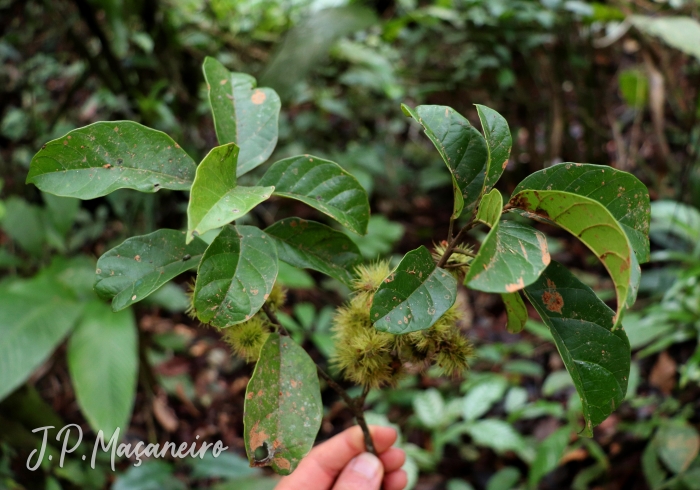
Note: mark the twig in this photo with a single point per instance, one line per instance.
(453, 243)
(355, 405)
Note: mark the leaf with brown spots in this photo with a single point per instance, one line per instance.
(243, 114)
(597, 228)
(235, 276)
(461, 146)
(620, 192)
(283, 408)
(414, 296)
(596, 356)
(498, 142)
(512, 256)
(100, 158)
(215, 198)
(140, 265)
(311, 245)
(323, 185)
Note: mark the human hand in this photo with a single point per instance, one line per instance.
(341, 463)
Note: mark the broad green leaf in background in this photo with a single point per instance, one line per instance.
(504, 479)
(651, 467)
(235, 276)
(429, 407)
(24, 223)
(312, 245)
(496, 434)
(381, 236)
(243, 114)
(414, 296)
(61, 211)
(490, 207)
(283, 407)
(150, 475)
(620, 192)
(677, 218)
(516, 311)
(103, 362)
(549, 452)
(32, 323)
(323, 185)
(482, 396)
(498, 142)
(634, 87)
(679, 32)
(140, 265)
(461, 146)
(308, 42)
(100, 158)
(677, 444)
(512, 256)
(593, 224)
(215, 198)
(597, 357)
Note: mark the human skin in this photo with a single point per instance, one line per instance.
(341, 463)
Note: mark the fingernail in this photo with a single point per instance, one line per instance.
(367, 465)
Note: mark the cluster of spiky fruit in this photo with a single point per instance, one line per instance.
(372, 358)
(247, 338)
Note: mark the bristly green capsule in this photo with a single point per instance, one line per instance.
(372, 358)
(247, 338)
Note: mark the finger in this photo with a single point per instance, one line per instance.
(364, 472)
(396, 480)
(319, 469)
(392, 459)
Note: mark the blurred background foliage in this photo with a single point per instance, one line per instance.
(612, 82)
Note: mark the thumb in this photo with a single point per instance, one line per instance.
(363, 472)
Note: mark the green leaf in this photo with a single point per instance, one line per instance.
(323, 185)
(652, 469)
(308, 42)
(512, 256)
(596, 356)
(462, 148)
(24, 223)
(32, 323)
(414, 296)
(549, 452)
(504, 479)
(140, 265)
(516, 311)
(490, 206)
(677, 445)
(215, 199)
(680, 32)
(498, 142)
(61, 212)
(621, 193)
(496, 434)
(283, 407)
(150, 475)
(482, 396)
(100, 158)
(593, 224)
(312, 245)
(243, 114)
(103, 362)
(429, 407)
(235, 276)
(226, 465)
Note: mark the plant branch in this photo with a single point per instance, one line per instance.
(452, 245)
(355, 405)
